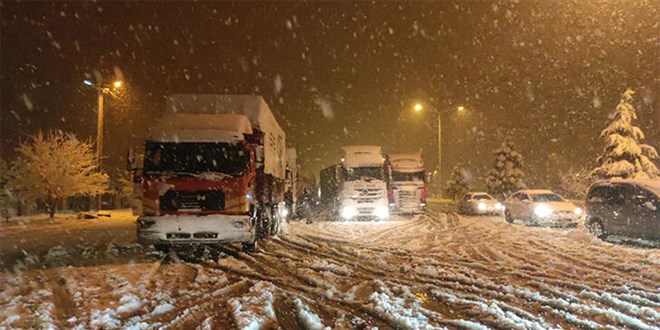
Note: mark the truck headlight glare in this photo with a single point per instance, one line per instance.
(542, 211)
(381, 212)
(481, 206)
(498, 206)
(578, 211)
(348, 212)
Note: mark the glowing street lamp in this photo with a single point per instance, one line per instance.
(418, 108)
(101, 90)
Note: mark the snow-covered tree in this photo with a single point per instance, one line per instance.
(456, 185)
(624, 155)
(56, 165)
(507, 176)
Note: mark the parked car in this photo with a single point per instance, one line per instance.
(541, 208)
(629, 208)
(479, 203)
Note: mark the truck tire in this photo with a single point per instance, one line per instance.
(275, 221)
(264, 223)
(164, 248)
(249, 247)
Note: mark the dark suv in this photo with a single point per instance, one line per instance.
(629, 208)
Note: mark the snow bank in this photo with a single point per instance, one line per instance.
(306, 318)
(106, 319)
(129, 304)
(402, 312)
(162, 308)
(255, 311)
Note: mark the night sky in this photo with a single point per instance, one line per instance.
(545, 73)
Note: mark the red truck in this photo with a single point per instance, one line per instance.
(213, 173)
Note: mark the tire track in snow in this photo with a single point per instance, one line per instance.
(524, 274)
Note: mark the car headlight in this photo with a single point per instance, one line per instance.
(348, 212)
(481, 206)
(284, 212)
(381, 212)
(498, 206)
(578, 211)
(542, 211)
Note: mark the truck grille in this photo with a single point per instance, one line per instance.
(204, 200)
(408, 197)
(368, 195)
(365, 210)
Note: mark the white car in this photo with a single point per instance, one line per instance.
(541, 208)
(479, 203)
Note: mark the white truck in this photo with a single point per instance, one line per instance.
(214, 172)
(408, 182)
(363, 183)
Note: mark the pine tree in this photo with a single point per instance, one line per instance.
(53, 166)
(624, 155)
(456, 186)
(507, 176)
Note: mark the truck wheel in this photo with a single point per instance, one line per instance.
(249, 247)
(265, 222)
(164, 248)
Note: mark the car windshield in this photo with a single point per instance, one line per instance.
(482, 197)
(195, 158)
(401, 176)
(363, 173)
(540, 198)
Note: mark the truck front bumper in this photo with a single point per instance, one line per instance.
(192, 229)
(351, 210)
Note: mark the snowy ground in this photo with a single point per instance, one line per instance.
(434, 271)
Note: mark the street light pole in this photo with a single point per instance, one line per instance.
(439, 151)
(99, 142)
(101, 89)
(418, 107)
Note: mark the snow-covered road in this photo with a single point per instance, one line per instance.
(434, 271)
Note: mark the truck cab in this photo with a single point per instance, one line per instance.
(363, 178)
(408, 183)
(214, 175)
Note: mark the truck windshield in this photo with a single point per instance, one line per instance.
(363, 173)
(195, 158)
(416, 176)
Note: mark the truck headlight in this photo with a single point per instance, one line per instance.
(542, 211)
(348, 212)
(578, 211)
(498, 206)
(381, 212)
(481, 206)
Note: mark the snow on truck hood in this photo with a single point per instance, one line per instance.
(406, 163)
(362, 156)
